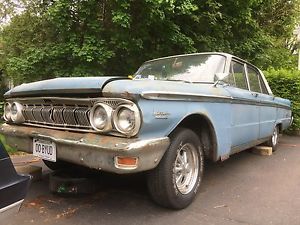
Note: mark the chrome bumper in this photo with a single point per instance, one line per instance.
(90, 149)
(10, 210)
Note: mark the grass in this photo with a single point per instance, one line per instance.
(9, 149)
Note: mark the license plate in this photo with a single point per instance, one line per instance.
(44, 149)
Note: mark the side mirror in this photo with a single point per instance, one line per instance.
(219, 77)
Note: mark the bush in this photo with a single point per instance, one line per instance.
(286, 84)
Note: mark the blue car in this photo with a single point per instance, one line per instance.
(13, 187)
(174, 114)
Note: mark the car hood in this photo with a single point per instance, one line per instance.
(132, 89)
(62, 86)
(113, 87)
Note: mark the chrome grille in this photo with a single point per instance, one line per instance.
(27, 112)
(112, 103)
(63, 113)
(69, 117)
(82, 116)
(46, 114)
(58, 115)
(36, 112)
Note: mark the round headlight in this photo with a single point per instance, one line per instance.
(16, 114)
(127, 120)
(100, 117)
(7, 112)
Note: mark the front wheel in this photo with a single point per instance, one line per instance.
(175, 181)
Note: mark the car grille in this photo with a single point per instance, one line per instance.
(58, 115)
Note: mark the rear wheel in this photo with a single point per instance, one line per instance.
(273, 141)
(175, 181)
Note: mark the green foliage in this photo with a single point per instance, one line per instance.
(8, 148)
(92, 38)
(286, 84)
(277, 56)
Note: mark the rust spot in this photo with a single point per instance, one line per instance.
(127, 95)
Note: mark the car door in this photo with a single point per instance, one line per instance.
(267, 111)
(245, 107)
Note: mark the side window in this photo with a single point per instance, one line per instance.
(238, 71)
(254, 81)
(263, 86)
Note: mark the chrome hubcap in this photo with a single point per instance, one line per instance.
(275, 137)
(186, 168)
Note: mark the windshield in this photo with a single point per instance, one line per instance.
(189, 68)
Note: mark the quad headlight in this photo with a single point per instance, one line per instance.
(16, 113)
(100, 117)
(7, 112)
(127, 120)
(13, 112)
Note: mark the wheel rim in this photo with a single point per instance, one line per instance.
(186, 168)
(275, 137)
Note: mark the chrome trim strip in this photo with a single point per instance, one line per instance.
(226, 55)
(114, 102)
(12, 206)
(177, 96)
(260, 103)
(61, 127)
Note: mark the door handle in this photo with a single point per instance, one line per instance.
(255, 94)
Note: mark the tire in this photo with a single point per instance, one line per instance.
(58, 165)
(175, 181)
(273, 141)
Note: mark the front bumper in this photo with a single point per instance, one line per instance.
(90, 149)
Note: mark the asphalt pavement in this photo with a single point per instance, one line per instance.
(245, 189)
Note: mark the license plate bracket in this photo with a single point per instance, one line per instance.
(44, 149)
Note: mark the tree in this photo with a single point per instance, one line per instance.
(92, 37)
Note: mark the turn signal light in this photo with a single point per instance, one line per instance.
(128, 163)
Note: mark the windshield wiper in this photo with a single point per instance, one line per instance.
(185, 81)
(203, 82)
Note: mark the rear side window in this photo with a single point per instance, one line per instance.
(239, 75)
(254, 80)
(263, 86)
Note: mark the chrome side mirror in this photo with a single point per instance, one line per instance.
(219, 77)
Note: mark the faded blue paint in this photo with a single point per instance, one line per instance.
(137, 87)
(154, 128)
(238, 116)
(62, 85)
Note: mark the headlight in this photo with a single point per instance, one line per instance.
(16, 113)
(127, 119)
(100, 117)
(7, 112)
